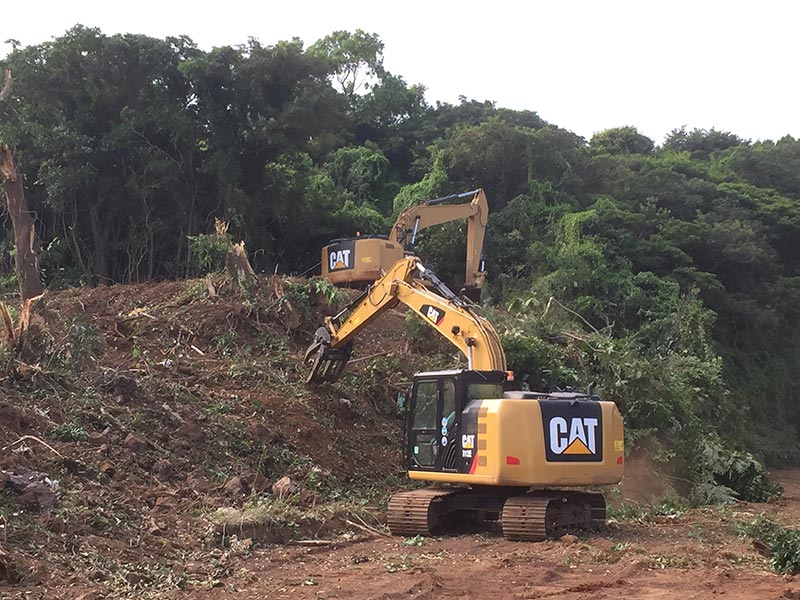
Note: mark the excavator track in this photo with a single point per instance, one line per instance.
(418, 512)
(535, 517)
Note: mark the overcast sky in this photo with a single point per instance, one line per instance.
(583, 65)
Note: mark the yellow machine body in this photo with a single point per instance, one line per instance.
(511, 450)
(514, 444)
(359, 261)
(362, 260)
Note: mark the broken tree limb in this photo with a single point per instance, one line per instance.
(33, 438)
(22, 218)
(7, 86)
(370, 357)
(366, 528)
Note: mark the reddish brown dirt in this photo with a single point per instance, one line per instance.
(693, 556)
(213, 387)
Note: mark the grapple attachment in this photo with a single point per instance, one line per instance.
(327, 364)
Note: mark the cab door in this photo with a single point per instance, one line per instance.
(433, 425)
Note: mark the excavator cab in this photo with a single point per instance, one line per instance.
(439, 415)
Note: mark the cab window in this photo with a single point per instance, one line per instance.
(425, 409)
(484, 391)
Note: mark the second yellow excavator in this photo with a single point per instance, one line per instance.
(362, 260)
(493, 453)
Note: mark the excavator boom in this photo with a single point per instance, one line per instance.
(410, 283)
(435, 212)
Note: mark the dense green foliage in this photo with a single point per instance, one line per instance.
(670, 274)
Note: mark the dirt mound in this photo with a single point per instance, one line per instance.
(157, 404)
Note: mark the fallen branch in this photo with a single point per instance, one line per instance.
(366, 528)
(124, 429)
(36, 439)
(172, 413)
(311, 543)
(569, 310)
(212, 291)
(363, 358)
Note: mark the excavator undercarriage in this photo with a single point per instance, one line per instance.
(531, 516)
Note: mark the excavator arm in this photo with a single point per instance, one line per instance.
(410, 283)
(434, 212)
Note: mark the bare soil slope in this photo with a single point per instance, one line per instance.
(149, 407)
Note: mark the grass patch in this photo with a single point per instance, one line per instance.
(70, 431)
(780, 543)
(646, 514)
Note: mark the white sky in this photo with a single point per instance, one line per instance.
(583, 65)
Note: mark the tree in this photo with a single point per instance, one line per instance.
(621, 140)
(701, 143)
(353, 59)
(22, 219)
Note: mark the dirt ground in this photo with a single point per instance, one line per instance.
(695, 555)
(151, 407)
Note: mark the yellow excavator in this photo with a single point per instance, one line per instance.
(492, 453)
(362, 260)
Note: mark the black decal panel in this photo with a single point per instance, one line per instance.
(341, 255)
(573, 430)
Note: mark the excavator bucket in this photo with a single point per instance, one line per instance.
(327, 364)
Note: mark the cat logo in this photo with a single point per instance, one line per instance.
(573, 430)
(468, 441)
(576, 436)
(433, 314)
(339, 259)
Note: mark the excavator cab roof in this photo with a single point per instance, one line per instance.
(488, 376)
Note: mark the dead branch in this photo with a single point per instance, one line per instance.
(311, 543)
(569, 310)
(370, 357)
(6, 91)
(367, 528)
(36, 439)
(212, 291)
(118, 424)
(168, 409)
(7, 326)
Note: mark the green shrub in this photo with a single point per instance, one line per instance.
(68, 431)
(723, 475)
(209, 251)
(782, 543)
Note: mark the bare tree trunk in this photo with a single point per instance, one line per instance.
(30, 284)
